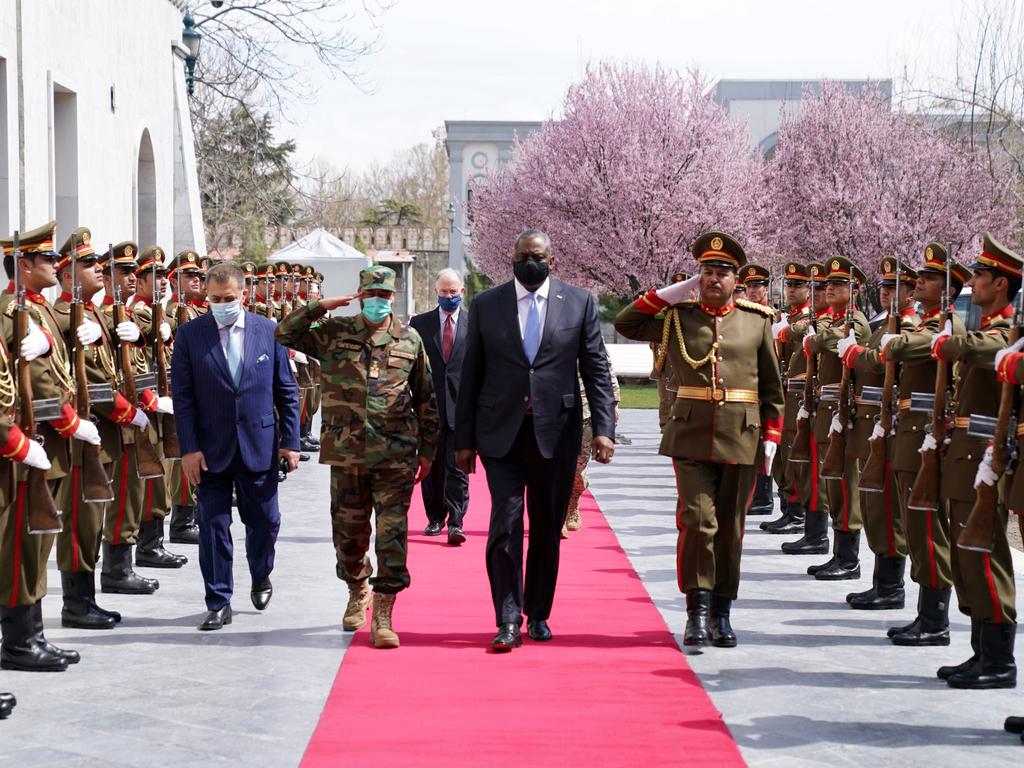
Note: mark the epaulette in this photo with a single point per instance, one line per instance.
(687, 303)
(33, 311)
(62, 307)
(753, 306)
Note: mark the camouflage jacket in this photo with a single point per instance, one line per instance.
(378, 396)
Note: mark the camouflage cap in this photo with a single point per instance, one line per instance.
(377, 277)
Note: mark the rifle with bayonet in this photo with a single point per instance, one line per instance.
(835, 457)
(43, 515)
(96, 485)
(166, 430)
(800, 452)
(181, 310)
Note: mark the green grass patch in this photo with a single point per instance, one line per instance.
(639, 395)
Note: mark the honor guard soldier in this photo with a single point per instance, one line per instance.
(282, 279)
(883, 524)
(755, 279)
(983, 581)
(794, 371)
(729, 399)
(311, 401)
(25, 548)
(842, 488)
(804, 474)
(265, 291)
(187, 303)
(379, 435)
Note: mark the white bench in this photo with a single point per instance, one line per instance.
(633, 361)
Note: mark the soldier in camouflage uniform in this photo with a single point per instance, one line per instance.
(379, 434)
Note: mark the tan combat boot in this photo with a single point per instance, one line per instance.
(572, 520)
(381, 633)
(355, 611)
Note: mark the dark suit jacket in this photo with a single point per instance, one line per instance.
(498, 380)
(215, 418)
(446, 375)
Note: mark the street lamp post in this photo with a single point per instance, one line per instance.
(452, 226)
(191, 37)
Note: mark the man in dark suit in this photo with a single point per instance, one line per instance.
(236, 407)
(446, 490)
(519, 408)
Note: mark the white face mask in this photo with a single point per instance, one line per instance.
(226, 313)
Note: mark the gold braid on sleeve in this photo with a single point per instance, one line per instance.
(695, 364)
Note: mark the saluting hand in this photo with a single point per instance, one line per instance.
(338, 301)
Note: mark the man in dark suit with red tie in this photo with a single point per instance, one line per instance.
(519, 408)
(443, 329)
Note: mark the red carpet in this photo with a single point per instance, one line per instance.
(611, 689)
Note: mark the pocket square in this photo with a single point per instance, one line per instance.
(262, 358)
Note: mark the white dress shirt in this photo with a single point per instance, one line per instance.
(238, 329)
(444, 316)
(523, 299)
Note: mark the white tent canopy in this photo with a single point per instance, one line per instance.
(339, 262)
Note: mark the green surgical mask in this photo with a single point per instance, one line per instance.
(376, 309)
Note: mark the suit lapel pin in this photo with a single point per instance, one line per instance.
(558, 295)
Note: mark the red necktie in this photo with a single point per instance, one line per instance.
(447, 340)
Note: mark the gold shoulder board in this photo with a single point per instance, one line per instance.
(755, 307)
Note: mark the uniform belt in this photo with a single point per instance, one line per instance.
(1020, 429)
(867, 403)
(905, 404)
(722, 395)
(830, 393)
(961, 422)
(794, 386)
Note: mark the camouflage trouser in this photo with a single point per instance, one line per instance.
(79, 543)
(356, 493)
(580, 483)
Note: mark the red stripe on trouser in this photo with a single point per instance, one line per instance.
(302, 411)
(814, 477)
(794, 496)
(846, 506)
(75, 548)
(184, 490)
(933, 576)
(997, 611)
(149, 500)
(19, 524)
(122, 493)
(890, 534)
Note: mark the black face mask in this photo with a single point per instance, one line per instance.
(530, 271)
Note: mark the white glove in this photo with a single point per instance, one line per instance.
(1015, 347)
(87, 432)
(165, 331)
(769, 455)
(89, 332)
(886, 338)
(835, 426)
(811, 333)
(803, 413)
(877, 433)
(35, 343)
(36, 456)
(300, 358)
(165, 405)
(293, 366)
(778, 327)
(985, 472)
(845, 344)
(140, 419)
(945, 333)
(928, 444)
(128, 331)
(678, 292)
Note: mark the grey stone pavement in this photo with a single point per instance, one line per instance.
(811, 682)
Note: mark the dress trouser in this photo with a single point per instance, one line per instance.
(257, 507)
(547, 486)
(446, 489)
(844, 496)
(883, 524)
(984, 581)
(784, 480)
(79, 543)
(124, 514)
(23, 555)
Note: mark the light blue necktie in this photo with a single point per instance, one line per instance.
(531, 332)
(234, 356)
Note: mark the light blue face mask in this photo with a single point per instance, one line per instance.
(376, 309)
(227, 312)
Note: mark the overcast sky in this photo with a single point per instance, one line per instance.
(478, 59)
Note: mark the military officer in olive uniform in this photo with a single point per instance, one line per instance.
(984, 582)
(729, 400)
(379, 435)
(755, 279)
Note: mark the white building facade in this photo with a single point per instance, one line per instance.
(94, 122)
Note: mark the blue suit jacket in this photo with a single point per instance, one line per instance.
(214, 417)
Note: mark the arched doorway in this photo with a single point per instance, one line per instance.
(145, 194)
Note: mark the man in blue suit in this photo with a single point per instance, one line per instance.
(236, 407)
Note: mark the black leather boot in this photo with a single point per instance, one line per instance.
(96, 608)
(933, 627)
(118, 576)
(7, 703)
(183, 528)
(946, 672)
(997, 668)
(813, 569)
(914, 625)
(19, 649)
(889, 593)
(815, 538)
(792, 520)
(150, 552)
(698, 609)
(871, 593)
(1014, 724)
(72, 657)
(847, 561)
(762, 503)
(722, 635)
(77, 611)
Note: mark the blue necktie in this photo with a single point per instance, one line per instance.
(234, 356)
(531, 333)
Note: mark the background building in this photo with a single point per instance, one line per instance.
(94, 122)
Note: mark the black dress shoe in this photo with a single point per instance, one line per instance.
(305, 444)
(432, 529)
(216, 619)
(508, 637)
(303, 457)
(539, 631)
(261, 594)
(456, 535)
(7, 702)
(1011, 725)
